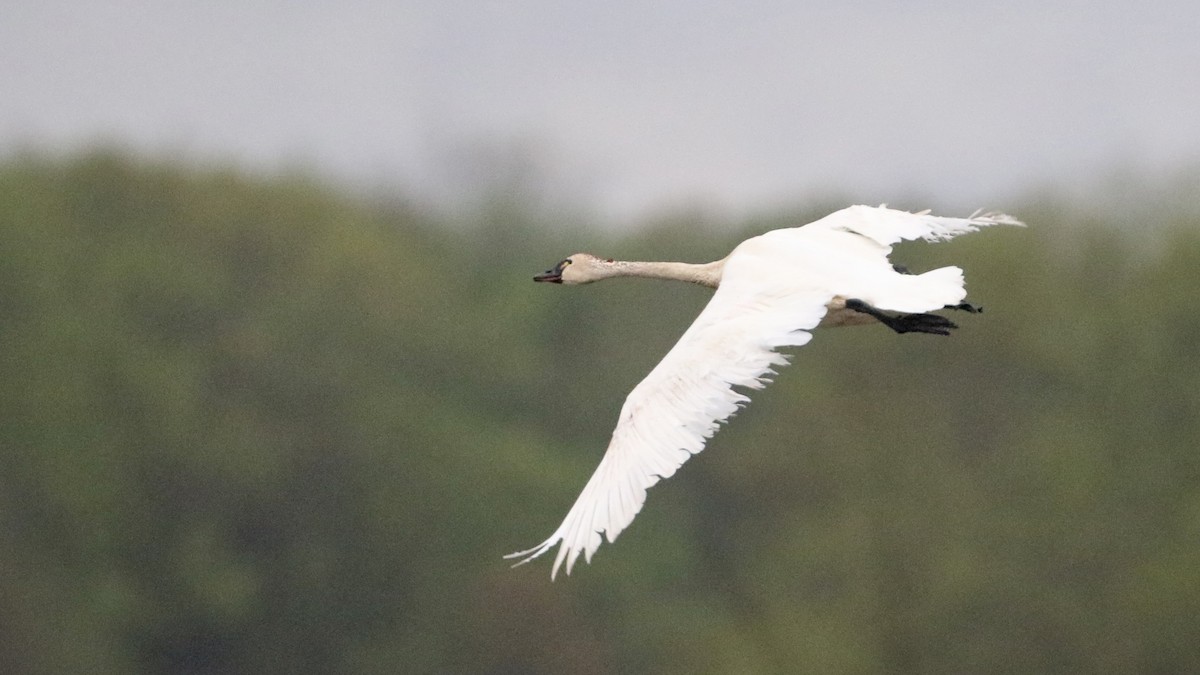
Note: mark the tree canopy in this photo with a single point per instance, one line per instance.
(260, 425)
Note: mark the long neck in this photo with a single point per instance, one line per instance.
(707, 274)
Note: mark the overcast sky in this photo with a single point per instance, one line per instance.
(625, 104)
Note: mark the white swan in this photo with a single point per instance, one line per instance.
(771, 291)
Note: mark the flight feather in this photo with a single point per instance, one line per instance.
(672, 413)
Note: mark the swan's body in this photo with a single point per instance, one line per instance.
(771, 291)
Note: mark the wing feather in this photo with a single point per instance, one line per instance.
(671, 414)
(889, 226)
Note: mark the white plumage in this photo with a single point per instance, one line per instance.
(771, 291)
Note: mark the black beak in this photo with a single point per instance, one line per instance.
(553, 276)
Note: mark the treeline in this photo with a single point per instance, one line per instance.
(255, 425)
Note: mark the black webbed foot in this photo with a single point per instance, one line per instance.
(921, 323)
(966, 307)
(905, 323)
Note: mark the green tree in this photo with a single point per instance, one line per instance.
(255, 425)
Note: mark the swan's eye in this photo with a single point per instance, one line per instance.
(565, 262)
(609, 260)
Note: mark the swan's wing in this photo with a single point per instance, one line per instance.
(889, 226)
(670, 415)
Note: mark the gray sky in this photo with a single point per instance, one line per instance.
(625, 105)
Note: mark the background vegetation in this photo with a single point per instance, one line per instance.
(255, 425)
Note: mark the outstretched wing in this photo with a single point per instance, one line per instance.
(670, 415)
(889, 226)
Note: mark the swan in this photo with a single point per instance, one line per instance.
(772, 290)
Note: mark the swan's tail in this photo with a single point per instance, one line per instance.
(917, 293)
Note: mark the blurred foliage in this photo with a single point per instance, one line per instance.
(253, 425)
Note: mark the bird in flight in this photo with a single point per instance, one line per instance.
(771, 291)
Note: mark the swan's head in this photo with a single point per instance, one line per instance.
(581, 268)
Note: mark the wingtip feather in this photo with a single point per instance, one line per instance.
(529, 555)
(993, 218)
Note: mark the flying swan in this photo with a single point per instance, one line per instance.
(771, 291)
